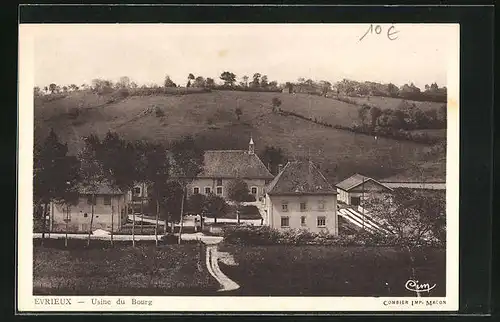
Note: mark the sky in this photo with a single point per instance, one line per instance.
(77, 53)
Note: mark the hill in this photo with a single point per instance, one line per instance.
(210, 118)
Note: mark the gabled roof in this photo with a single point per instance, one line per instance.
(233, 164)
(300, 177)
(356, 180)
(102, 189)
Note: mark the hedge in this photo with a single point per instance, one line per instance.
(264, 235)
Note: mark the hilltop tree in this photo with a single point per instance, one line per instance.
(228, 78)
(264, 82)
(238, 112)
(55, 175)
(188, 163)
(168, 82)
(91, 172)
(199, 82)
(393, 90)
(52, 88)
(375, 113)
(276, 103)
(124, 82)
(256, 80)
(210, 83)
(190, 78)
(37, 91)
(272, 157)
(245, 80)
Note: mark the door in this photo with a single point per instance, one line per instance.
(355, 201)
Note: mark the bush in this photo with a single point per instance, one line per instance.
(264, 235)
(159, 112)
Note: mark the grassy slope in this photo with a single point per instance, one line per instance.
(332, 271)
(122, 270)
(339, 153)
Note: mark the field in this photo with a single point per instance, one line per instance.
(210, 118)
(122, 270)
(333, 271)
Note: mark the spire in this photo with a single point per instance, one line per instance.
(251, 147)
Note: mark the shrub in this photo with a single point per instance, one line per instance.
(264, 235)
(159, 112)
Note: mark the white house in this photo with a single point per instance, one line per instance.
(301, 197)
(357, 188)
(109, 210)
(220, 167)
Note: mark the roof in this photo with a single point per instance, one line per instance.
(300, 177)
(233, 164)
(102, 189)
(355, 180)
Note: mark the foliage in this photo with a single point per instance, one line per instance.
(238, 190)
(276, 102)
(228, 78)
(117, 159)
(272, 157)
(168, 82)
(216, 206)
(56, 174)
(238, 112)
(196, 203)
(265, 235)
(415, 218)
(188, 158)
(170, 200)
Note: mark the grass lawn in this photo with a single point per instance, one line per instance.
(122, 270)
(332, 271)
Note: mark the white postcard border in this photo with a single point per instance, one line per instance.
(27, 302)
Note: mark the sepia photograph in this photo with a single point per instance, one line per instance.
(239, 161)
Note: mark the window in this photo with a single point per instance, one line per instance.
(137, 190)
(107, 200)
(321, 205)
(355, 201)
(219, 190)
(207, 190)
(321, 221)
(196, 190)
(254, 190)
(303, 220)
(219, 182)
(285, 222)
(284, 206)
(85, 215)
(303, 206)
(90, 201)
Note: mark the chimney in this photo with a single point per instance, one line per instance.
(280, 168)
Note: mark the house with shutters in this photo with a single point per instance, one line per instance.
(109, 211)
(301, 197)
(357, 188)
(220, 167)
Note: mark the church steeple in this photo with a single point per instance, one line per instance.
(251, 147)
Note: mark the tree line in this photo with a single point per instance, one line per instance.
(119, 164)
(116, 163)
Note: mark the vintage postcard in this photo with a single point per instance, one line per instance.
(238, 167)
